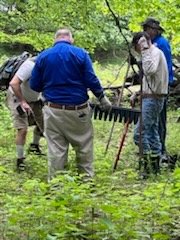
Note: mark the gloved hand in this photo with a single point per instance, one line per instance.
(105, 104)
(133, 99)
(143, 43)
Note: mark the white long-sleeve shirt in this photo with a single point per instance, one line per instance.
(155, 70)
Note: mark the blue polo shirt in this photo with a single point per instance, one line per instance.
(163, 44)
(64, 73)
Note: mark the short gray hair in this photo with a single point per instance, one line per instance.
(63, 32)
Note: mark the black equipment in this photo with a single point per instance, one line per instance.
(116, 114)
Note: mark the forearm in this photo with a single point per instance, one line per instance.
(16, 87)
(149, 65)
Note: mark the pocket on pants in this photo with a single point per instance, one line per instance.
(84, 115)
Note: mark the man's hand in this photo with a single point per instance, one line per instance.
(105, 104)
(26, 107)
(133, 99)
(143, 43)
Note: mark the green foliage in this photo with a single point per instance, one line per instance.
(166, 11)
(114, 206)
(38, 21)
(34, 22)
(111, 74)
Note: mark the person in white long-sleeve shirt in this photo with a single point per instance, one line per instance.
(154, 90)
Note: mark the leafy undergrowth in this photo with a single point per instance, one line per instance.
(114, 206)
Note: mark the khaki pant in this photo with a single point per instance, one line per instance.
(23, 121)
(64, 127)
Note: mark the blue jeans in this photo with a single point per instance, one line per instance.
(151, 109)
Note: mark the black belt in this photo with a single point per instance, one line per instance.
(66, 107)
(38, 101)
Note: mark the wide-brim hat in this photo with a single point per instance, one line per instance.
(152, 23)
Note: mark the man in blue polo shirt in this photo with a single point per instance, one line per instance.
(64, 73)
(153, 28)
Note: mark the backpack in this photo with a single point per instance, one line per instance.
(10, 67)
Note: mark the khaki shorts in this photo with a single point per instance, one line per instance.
(23, 121)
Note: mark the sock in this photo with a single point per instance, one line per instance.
(36, 139)
(20, 151)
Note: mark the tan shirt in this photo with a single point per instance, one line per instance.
(155, 69)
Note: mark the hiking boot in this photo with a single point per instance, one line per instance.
(20, 164)
(34, 148)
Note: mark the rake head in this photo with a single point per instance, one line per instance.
(116, 114)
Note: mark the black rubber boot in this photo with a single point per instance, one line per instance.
(155, 164)
(144, 166)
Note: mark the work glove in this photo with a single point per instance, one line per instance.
(143, 43)
(105, 104)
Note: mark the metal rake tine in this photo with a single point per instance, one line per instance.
(100, 114)
(106, 113)
(115, 115)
